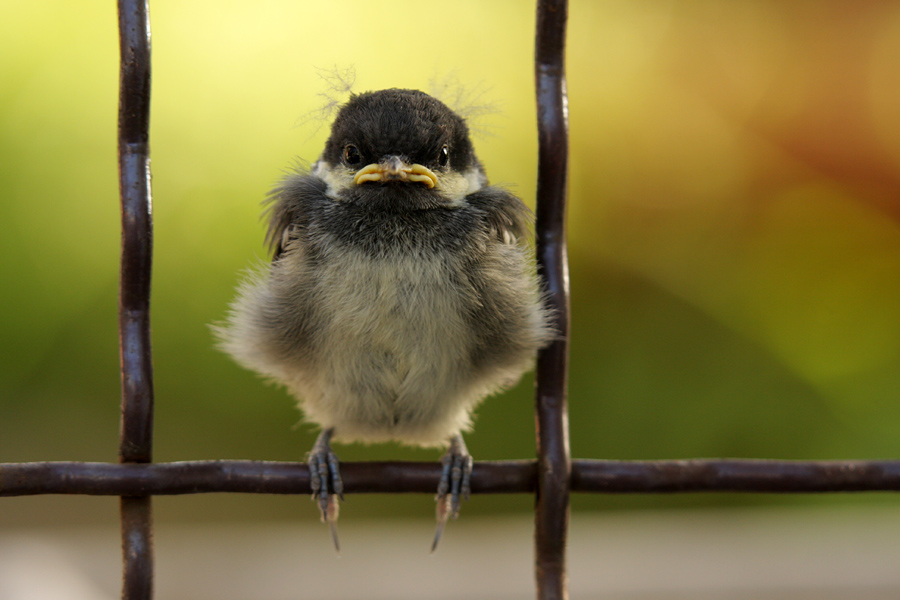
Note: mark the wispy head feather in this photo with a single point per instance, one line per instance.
(471, 103)
(338, 84)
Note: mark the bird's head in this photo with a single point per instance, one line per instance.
(399, 144)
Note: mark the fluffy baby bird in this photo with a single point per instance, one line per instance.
(401, 290)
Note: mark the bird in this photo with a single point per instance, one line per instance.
(401, 292)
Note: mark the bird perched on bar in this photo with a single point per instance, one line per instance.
(401, 290)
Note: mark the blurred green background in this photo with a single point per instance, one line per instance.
(734, 226)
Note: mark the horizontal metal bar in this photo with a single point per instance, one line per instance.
(733, 475)
(253, 477)
(488, 477)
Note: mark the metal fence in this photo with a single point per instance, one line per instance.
(551, 477)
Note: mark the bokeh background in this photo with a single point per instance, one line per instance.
(734, 227)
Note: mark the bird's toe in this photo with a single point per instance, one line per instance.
(454, 485)
(325, 482)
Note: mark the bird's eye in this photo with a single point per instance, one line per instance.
(352, 155)
(444, 156)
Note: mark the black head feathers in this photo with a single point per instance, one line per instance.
(397, 122)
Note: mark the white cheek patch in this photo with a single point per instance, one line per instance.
(455, 186)
(337, 180)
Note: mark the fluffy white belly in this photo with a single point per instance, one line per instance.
(395, 359)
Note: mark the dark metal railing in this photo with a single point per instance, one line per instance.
(551, 477)
(136, 429)
(488, 477)
(551, 521)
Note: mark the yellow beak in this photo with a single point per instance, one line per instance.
(394, 169)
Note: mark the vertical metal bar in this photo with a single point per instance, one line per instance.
(554, 462)
(136, 431)
(137, 548)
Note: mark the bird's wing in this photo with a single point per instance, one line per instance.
(287, 209)
(507, 217)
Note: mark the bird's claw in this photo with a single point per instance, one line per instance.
(325, 481)
(455, 484)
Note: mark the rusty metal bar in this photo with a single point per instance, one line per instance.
(488, 477)
(731, 475)
(137, 548)
(554, 463)
(136, 428)
(254, 477)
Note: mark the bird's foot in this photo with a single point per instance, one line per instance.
(454, 485)
(325, 480)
